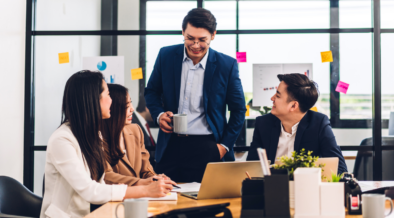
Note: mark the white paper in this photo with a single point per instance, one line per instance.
(188, 187)
(112, 67)
(371, 185)
(265, 80)
(172, 196)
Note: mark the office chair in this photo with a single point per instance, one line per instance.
(363, 166)
(16, 199)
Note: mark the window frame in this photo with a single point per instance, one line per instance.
(376, 123)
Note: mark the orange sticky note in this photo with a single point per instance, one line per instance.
(326, 56)
(247, 110)
(136, 73)
(314, 109)
(64, 58)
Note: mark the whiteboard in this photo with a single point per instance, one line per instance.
(112, 67)
(265, 80)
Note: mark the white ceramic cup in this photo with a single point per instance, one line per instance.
(134, 208)
(373, 205)
(180, 123)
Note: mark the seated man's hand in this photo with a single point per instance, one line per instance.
(165, 120)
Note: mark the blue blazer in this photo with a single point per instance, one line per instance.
(222, 87)
(314, 133)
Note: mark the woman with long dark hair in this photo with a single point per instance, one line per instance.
(128, 160)
(75, 160)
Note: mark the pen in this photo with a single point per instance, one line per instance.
(248, 175)
(157, 179)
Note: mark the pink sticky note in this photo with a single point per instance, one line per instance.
(342, 87)
(241, 57)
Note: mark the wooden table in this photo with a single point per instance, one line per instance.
(156, 207)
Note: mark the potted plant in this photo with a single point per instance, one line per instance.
(296, 160)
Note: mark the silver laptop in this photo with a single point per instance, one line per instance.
(224, 179)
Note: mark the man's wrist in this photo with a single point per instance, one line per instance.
(158, 118)
(224, 147)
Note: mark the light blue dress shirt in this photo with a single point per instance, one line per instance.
(191, 96)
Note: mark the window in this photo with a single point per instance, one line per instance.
(269, 31)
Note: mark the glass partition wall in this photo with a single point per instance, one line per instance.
(269, 31)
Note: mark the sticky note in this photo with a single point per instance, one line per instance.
(247, 110)
(136, 73)
(326, 56)
(342, 87)
(314, 109)
(241, 57)
(64, 58)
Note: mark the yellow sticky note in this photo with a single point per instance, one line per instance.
(64, 58)
(326, 56)
(136, 73)
(314, 109)
(247, 110)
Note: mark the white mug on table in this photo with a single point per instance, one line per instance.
(373, 205)
(134, 208)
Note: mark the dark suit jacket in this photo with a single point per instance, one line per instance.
(222, 87)
(314, 133)
(146, 136)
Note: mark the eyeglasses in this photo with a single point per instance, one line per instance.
(190, 42)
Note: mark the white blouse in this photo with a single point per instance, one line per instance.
(69, 189)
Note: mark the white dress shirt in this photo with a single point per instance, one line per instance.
(286, 141)
(69, 189)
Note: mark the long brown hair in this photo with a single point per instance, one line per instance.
(81, 109)
(112, 127)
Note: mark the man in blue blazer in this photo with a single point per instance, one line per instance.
(291, 126)
(193, 79)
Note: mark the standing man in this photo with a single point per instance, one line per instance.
(193, 79)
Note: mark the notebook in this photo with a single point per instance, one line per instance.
(171, 196)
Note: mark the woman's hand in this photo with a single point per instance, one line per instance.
(155, 189)
(158, 188)
(146, 181)
(151, 179)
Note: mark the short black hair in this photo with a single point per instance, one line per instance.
(300, 88)
(200, 18)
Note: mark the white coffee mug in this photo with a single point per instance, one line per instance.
(180, 123)
(373, 205)
(134, 208)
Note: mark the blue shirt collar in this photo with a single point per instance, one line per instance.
(203, 61)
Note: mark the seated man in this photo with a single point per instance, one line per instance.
(291, 126)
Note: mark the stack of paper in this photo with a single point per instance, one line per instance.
(172, 196)
(188, 187)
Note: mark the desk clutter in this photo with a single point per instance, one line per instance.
(266, 197)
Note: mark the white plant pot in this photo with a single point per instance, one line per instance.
(307, 192)
(291, 194)
(331, 199)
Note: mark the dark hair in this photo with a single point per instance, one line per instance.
(112, 127)
(200, 18)
(81, 109)
(300, 88)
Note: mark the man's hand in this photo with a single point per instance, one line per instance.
(165, 120)
(222, 150)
